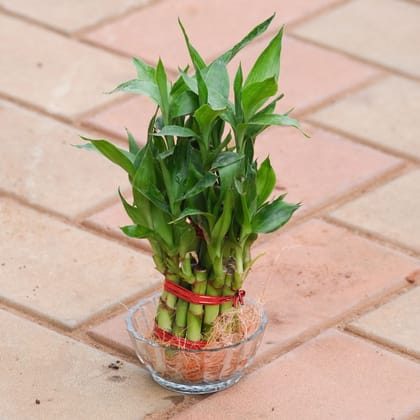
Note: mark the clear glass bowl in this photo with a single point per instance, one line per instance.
(190, 371)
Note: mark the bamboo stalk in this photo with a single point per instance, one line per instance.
(195, 312)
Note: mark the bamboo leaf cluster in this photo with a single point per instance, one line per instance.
(199, 195)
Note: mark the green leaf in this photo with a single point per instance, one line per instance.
(114, 154)
(141, 87)
(186, 103)
(145, 181)
(256, 94)
(191, 82)
(144, 71)
(237, 90)
(217, 101)
(217, 79)
(135, 214)
(268, 63)
(88, 146)
(196, 59)
(133, 146)
(225, 159)
(217, 82)
(243, 213)
(137, 231)
(203, 92)
(273, 216)
(162, 83)
(208, 180)
(222, 225)
(176, 130)
(229, 116)
(205, 117)
(270, 107)
(179, 86)
(258, 30)
(274, 119)
(191, 212)
(266, 181)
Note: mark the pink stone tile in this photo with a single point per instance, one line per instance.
(317, 170)
(64, 274)
(315, 274)
(113, 333)
(133, 114)
(334, 376)
(111, 219)
(153, 31)
(309, 74)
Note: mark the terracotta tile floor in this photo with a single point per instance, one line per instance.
(342, 314)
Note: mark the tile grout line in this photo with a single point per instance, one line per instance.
(318, 12)
(364, 84)
(322, 210)
(414, 2)
(337, 322)
(28, 106)
(374, 236)
(79, 225)
(365, 142)
(147, 4)
(79, 336)
(391, 348)
(372, 184)
(32, 21)
(81, 217)
(355, 57)
(382, 342)
(113, 236)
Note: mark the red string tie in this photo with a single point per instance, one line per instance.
(179, 342)
(195, 298)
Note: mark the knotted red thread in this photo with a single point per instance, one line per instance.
(191, 297)
(175, 341)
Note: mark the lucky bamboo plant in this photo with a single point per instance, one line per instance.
(199, 195)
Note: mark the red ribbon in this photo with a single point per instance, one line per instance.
(189, 296)
(173, 340)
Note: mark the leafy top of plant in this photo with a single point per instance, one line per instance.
(199, 195)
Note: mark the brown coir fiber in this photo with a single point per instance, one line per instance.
(216, 361)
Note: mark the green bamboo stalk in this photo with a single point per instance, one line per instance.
(180, 322)
(164, 316)
(195, 312)
(211, 312)
(227, 291)
(167, 307)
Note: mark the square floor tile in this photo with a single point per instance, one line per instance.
(69, 15)
(380, 31)
(390, 212)
(317, 170)
(334, 376)
(40, 165)
(385, 114)
(63, 273)
(46, 375)
(56, 74)
(210, 25)
(396, 323)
